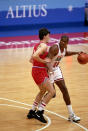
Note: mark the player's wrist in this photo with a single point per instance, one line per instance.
(51, 72)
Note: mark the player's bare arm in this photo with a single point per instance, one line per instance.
(41, 49)
(69, 53)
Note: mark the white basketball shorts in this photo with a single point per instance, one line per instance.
(57, 75)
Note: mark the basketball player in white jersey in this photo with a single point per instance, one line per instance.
(58, 79)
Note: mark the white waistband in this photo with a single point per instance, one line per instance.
(38, 67)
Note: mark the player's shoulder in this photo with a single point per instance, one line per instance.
(57, 44)
(43, 45)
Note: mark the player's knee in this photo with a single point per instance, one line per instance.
(54, 95)
(42, 92)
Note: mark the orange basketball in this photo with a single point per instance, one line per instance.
(82, 58)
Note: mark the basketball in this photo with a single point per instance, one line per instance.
(82, 58)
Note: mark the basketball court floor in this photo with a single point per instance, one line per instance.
(18, 90)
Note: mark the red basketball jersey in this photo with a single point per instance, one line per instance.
(43, 56)
(39, 70)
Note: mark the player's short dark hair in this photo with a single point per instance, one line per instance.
(64, 38)
(43, 32)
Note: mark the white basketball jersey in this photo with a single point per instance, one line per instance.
(59, 56)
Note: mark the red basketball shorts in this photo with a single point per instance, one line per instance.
(39, 75)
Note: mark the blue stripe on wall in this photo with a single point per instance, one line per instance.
(53, 16)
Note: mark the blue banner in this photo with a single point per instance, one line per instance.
(29, 12)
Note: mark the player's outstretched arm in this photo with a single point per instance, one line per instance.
(70, 53)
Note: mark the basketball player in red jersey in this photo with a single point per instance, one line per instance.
(58, 77)
(40, 76)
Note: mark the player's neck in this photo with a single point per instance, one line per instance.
(43, 41)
